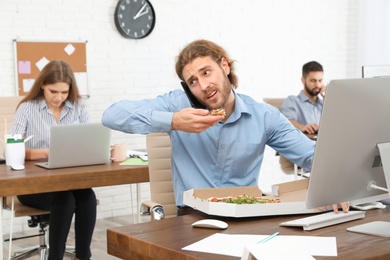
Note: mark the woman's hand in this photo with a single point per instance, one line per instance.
(36, 154)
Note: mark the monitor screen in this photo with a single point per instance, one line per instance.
(375, 71)
(355, 118)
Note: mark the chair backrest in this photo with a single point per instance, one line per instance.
(286, 165)
(158, 147)
(7, 111)
(276, 102)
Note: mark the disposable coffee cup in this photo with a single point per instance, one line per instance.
(15, 152)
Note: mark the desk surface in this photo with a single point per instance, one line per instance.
(164, 239)
(34, 179)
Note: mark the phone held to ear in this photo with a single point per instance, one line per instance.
(194, 102)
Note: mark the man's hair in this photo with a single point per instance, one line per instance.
(204, 48)
(311, 66)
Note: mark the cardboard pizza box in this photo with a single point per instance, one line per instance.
(291, 194)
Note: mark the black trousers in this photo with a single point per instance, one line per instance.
(62, 206)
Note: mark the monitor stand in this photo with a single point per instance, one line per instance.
(378, 228)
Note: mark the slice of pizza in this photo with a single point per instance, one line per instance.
(218, 112)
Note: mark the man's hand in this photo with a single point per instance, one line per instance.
(322, 91)
(310, 129)
(193, 120)
(344, 207)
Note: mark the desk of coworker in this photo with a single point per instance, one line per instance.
(34, 179)
(164, 239)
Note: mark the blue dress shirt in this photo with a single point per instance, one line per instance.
(227, 154)
(301, 109)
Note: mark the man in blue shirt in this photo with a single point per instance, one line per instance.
(212, 151)
(304, 110)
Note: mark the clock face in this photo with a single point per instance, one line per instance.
(134, 19)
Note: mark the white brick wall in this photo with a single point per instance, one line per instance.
(269, 39)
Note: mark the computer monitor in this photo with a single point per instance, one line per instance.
(355, 118)
(374, 71)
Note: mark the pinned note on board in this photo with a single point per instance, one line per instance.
(42, 63)
(24, 67)
(27, 84)
(69, 49)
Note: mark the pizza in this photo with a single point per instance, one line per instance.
(218, 112)
(244, 199)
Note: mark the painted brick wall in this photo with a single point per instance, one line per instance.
(270, 40)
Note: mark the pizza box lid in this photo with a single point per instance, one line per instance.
(291, 194)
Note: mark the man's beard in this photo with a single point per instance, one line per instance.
(312, 92)
(224, 93)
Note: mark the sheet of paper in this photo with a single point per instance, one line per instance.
(271, 250)
(24, 67)
(134, 161)
(139, 154)
(69, 49)
(42, 63)
(27, 84)
(233, 245)
(135, 152)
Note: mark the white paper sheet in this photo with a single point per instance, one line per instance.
(271, 250)
(233, 245)
(42, 63)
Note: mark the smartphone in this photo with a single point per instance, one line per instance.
(194, 102)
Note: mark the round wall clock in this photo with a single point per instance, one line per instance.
(134, 19)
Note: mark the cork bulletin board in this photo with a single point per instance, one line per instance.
(32, 56)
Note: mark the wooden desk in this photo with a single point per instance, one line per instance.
(34, 179)
(164, 239)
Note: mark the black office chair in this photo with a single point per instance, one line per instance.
(38, 218)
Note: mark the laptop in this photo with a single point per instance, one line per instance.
(78, 145)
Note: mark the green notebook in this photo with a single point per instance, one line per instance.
(134, 161)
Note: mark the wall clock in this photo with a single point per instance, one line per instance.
(134, 19)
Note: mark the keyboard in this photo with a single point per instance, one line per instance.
(324, 219)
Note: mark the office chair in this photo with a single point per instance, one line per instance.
(38, 217)
(162, 204)
(286, 165)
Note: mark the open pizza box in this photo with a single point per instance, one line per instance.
(292, 197)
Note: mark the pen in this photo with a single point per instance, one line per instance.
(268, 238)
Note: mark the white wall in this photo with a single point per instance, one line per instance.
(270, 40)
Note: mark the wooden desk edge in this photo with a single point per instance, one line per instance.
(35, 179)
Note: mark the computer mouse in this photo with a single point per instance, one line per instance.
(17, 167)
(210, 223)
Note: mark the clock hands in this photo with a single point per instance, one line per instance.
(141, 12)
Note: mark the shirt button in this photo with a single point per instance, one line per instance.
(223, 146)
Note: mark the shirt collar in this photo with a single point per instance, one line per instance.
(302, 96)
(240, 108)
